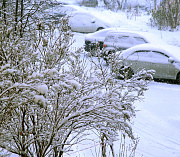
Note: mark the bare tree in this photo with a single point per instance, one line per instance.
(167, 15)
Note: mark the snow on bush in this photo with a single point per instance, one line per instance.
(51, 72)
(5, 67)
(40, 100)
(35, 75)
(42, 89)
(73, 83)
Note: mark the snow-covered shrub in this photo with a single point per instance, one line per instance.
(50, 96)
(167, 15)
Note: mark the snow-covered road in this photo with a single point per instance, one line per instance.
(158, 121)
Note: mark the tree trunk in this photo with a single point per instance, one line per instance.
(22, 10)
(177, 12)
(23, 133)
(16, 14)
(4, 10)
(155, 4)
(103, 146)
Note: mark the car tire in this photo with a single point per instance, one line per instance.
(178, 78)
(101, 43)
(99, 28)
(107, 55)
(93, 52)
(127, 72)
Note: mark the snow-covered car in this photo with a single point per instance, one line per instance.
(89, 3)
(84, 22)
(123, 39)
(96, 38)
(55, 13)
(67, 2)
(164, 59)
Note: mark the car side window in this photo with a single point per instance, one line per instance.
(122, 38)
(139, 40)
(110, 38)
(143, 55)
(82, 18)
(159, 57)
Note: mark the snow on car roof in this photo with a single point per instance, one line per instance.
(64, 9)
(171, 51)
(149, 37)
(67, 1)
(103, 31)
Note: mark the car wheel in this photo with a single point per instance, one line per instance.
(93, 52)
(93, 49)
(107, 55)
(127, 72)
(99, 28)
(178, 78)
(101, 43)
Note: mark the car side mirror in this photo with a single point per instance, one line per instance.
(171, 60)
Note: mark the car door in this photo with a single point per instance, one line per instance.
(123, 42)
(139, 60)
(160, 63)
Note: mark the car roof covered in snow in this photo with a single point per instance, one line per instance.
(169, 50)
(101, 32)
(149, 37)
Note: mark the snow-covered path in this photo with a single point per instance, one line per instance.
(158, 121)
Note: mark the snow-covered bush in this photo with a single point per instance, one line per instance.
(50, 96)
(166, 16)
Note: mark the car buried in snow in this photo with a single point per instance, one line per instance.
(164, 59)
(55, 13)
(84, 22)
(96, 40)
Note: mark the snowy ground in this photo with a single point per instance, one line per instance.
(158, 120)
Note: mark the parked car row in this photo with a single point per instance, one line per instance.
(115, 39)
(137, 50)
